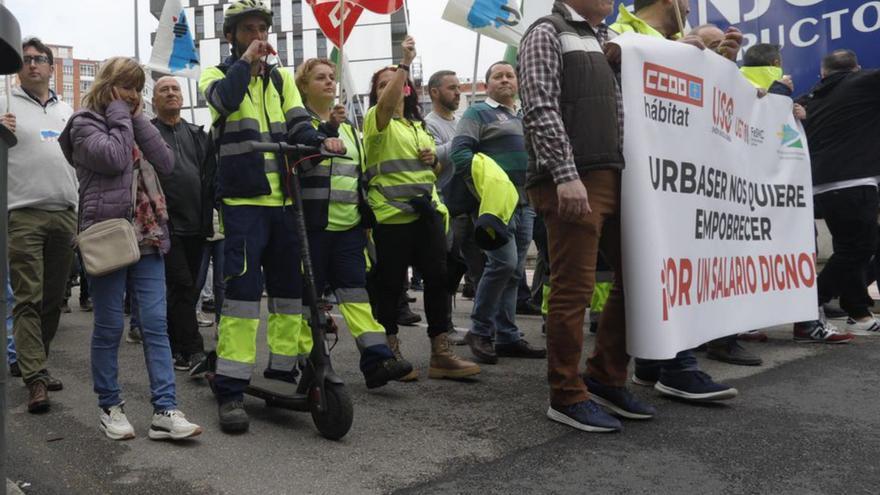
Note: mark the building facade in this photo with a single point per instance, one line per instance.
(374, 43)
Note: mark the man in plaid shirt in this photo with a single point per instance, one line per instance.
(573, 119)
(574, 129)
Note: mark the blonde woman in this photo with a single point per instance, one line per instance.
(106, 141)
(333, 203)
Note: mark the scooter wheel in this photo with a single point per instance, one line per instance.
(335, 421)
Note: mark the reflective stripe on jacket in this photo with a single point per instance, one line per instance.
(245, 108)
(394, 173)
(331, 190)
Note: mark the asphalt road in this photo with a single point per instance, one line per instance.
(805, 422)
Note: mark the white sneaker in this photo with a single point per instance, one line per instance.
(115, 425)
(203, 319)
(172, 425)
(869, 327)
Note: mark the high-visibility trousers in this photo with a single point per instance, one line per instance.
(262, 249)
(339, 262)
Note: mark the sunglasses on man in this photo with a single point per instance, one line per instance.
(37, 59)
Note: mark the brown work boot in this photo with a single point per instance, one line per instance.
(445, 364)
(394, 344)
(39, 397)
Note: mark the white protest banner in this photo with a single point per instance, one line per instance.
(174, 51)
(717, 207)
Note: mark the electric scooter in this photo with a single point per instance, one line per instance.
(320, 390)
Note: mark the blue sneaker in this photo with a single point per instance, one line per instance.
(646, 376)
(619, 401)
(693, 385)
(585, 416)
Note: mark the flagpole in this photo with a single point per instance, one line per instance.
(137, 48)
(476, 68)
(192, 103)
(678, 18)
(339, 66)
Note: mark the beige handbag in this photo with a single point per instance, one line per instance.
(112, 244)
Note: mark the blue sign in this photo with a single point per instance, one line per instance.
(485, 12)
(183, 51)
(807, 29)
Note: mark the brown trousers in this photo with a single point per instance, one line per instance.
(573, 248)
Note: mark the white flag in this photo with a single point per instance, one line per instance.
(174, 51)
(349, 97)
(504, 20)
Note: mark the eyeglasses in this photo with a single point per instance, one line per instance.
(37, 59)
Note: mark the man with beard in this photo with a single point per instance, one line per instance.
(443, 87)
(252, 100)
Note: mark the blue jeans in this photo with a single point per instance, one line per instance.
(11, 356)
(495, 302)
(148, 289)
(683, 361)
(133, 321)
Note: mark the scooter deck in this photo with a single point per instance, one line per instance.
(278, 393)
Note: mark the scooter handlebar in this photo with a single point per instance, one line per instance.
(298, 149)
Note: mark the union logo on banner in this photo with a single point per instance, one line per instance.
(337, 18)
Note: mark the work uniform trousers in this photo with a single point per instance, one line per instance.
(262, 248)
(573, 247)
(40, 257)
(339, 261)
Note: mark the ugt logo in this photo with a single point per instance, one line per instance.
(722, 111)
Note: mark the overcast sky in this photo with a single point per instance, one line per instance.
(98, 29)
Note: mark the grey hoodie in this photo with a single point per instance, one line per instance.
(39, 176)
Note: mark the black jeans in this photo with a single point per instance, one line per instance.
(181, 273)
(422, 245)
(851, 216)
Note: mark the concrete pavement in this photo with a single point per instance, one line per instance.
(805, 422)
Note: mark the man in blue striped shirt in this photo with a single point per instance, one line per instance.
(495, 128)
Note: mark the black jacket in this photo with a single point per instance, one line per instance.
(207, 160)
(843, 126)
